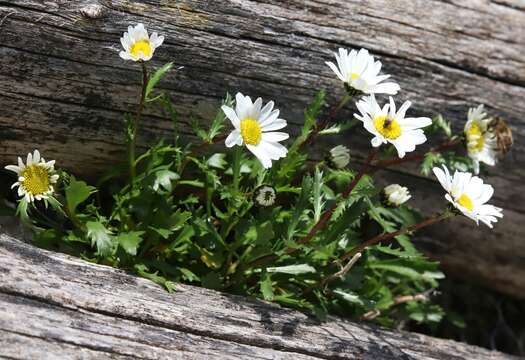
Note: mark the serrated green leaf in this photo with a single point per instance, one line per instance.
(130, 241)
(163, 180)
(100, 237)
(143, 271)
(76, 193)
(154, 79)
(267, 288)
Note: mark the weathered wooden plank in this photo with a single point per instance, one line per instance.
(64, 89)
(53, 305)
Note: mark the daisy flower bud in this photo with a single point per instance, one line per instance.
(138, 45)
(254, 127)
(35, 178)
(339, 157)
(360, 73)
(482, 143)
(265, 195)
(391, 126)
(396, 194)
(469, 195)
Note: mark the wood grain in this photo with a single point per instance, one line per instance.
(64, 89)
(56, 306)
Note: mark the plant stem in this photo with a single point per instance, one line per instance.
(133, 136)
(333, 112)
(417, 157)
(387, 236)
(236, 168)
(325, 217)
(325, 281)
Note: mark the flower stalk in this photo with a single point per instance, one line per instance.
(387, 236)
(132, 141)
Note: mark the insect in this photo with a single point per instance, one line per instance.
(503, 134)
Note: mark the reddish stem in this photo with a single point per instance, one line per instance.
(417, 157)
(387, 236)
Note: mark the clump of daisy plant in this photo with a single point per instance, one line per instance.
(248, 205)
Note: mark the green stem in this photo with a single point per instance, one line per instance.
(236, 168)
(132, 142)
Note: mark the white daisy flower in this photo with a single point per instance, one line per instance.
(390, 126)
(138, 45)
(469, 195)
(35, 178)
(396, 194)
(265, 195)
(482, 144)
(254, 127)
(339, 156)
(359, 71)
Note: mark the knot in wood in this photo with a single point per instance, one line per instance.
(93, 11)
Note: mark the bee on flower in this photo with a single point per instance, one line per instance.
(360, 73)
(396, 195)
(138, 45)
(35, 178)
(482, 142)
(391, 126)
(254, 127)
(469, 195)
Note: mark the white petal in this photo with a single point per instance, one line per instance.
(389, 88)
(232, 115)
(263, 157)
(335, 70)
(275, 125)
(234, 138)
(275, 136)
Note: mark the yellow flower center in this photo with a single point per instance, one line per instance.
(141, 46)
(466, 202)
(36, 179)
(354, 76)
(387, 127)
(251, 131)
(475, 139)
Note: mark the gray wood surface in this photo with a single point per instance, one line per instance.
(55, 306)
(64, 89)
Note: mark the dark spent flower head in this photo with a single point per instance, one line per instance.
(265, 195)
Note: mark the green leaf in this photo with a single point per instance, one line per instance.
(292, 269)
(439, 123)
(267, 288)
(163, 179)
(154, 79)
(401, 270)
(217, 160)
(317, 197)
(100, 237)
(130, 241)
(300, 206)
(350, 297)
(143, 271)
(76, 193)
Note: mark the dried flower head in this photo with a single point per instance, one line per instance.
(265, 195)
